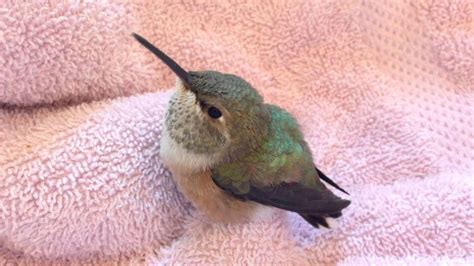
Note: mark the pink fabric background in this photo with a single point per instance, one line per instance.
(383, 90)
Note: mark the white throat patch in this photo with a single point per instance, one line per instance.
(178, 159)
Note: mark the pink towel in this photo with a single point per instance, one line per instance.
(383, 91)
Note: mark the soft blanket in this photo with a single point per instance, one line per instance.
(383, 91)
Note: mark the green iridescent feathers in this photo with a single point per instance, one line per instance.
(282, 156)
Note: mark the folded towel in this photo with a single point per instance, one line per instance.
(383, 91)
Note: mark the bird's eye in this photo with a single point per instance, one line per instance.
(213, 112)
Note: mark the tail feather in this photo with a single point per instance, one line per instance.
(325, 220)
(318, 220)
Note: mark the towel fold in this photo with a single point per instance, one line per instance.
(383, 92)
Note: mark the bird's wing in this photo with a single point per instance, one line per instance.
(281, 173)
(294, 197)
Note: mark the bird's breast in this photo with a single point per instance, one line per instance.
(216, 204)
(192, 175)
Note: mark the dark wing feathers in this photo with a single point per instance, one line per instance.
(292, 197)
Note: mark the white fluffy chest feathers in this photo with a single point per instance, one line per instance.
(178, 159)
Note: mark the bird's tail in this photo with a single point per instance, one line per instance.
(328, 221)
(325, 220)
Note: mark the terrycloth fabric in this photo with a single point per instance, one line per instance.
(383, 91)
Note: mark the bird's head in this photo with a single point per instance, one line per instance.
(213, 113)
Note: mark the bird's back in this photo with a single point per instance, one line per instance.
(284, 156)
(281, 173)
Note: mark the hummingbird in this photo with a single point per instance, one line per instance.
(235, 156)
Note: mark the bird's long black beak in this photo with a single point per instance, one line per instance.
(178, 70)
